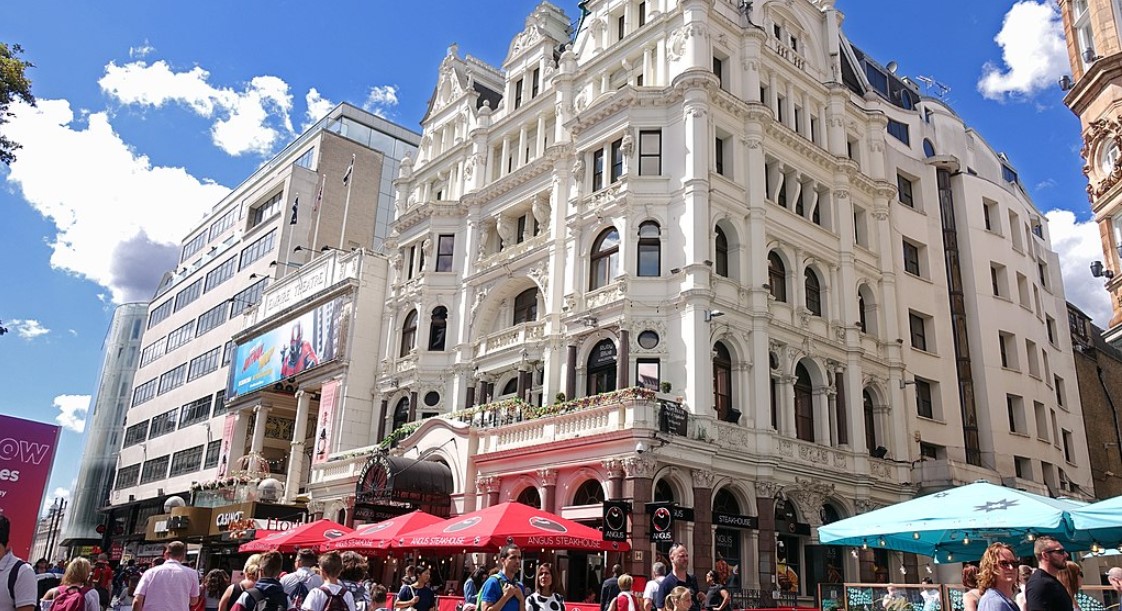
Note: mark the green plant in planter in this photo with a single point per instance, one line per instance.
(559, 398)
(667, 387)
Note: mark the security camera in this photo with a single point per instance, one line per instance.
(640, 447)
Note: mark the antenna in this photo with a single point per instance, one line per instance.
(929, 83)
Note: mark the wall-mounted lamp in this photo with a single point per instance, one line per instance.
(1099, 271)
(1066, 83)
(1089, 56)
(285, 263)
(711, 314)
(905, 383)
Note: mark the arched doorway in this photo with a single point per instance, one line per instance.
(602, 368)
(727, 542)
(789, 547)
(400, 413)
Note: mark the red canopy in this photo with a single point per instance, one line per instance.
(491, 528)
(305, 535)
(381, 535)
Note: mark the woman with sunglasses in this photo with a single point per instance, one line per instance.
(997, 578)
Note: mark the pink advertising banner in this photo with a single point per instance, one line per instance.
(323, 441)
(228, 427)
(27, 452)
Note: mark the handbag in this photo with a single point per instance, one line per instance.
(414, 595)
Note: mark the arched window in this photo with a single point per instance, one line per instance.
(526, 306)
(804, 404)
(663, 492)
(928, 148)
(589, 493)
(400, 413)
(530, 496)
(813, 292)
(650, 250)
(777, 277)
(721, 253)
(511, 386)
(605, 259)
(870, 421)
(602, 368)
(867, 309)
(722, 382)
(409, 333)
(438, 327)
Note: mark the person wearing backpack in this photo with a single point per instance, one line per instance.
(331, 595)
(73, 594)
(169, 586)
(298, 583)
(268, 593)
(501, 592)
(21, 593)
(626, 600)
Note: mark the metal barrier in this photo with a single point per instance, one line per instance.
(936, 597)
(743, 598)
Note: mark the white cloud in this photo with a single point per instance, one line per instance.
(381, 100)
(1078, 244)
(141, 51)
(49, 499)
(253, 120)
(72, 411)
(318, 107)
(28, 329)
(1032, 51)
(119, 218)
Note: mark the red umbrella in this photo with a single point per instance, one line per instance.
(491, 528)
(306, 535)
(380, 535)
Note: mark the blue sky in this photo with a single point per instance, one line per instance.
(149, 112)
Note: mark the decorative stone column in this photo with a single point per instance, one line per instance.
(571, 372)
(412, 406)
(623, 360)
(296, 448)
(548, 478)
(702, 521)
(615, 470)
(639, 470)
(765, 509)
(489, 485)
(261, 414)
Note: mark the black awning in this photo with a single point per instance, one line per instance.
(405, 483)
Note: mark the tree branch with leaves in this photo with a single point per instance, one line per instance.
(13, 84)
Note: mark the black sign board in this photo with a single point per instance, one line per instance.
(733, 520)
(662, 518)
(615, 520)
(673, 418)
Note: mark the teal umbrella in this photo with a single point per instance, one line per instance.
(957, 524)
(1101, 521)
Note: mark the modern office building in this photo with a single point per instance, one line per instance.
(1094, 46)
(340, 172)
(711, 255)
(105, 427)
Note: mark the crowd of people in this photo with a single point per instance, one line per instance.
(338, 581)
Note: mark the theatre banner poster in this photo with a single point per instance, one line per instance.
(288, 349)
(27, 453)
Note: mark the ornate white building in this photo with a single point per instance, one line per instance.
(844, 287)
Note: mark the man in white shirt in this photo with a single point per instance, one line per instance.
(300, 582)
(18, 589)
(658, 572)
(170, 586)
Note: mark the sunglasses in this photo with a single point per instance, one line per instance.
(1005, 564)
(1056, 551)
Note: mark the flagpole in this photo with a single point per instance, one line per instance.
(349, 179)
(318, 211)
(288, 249)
